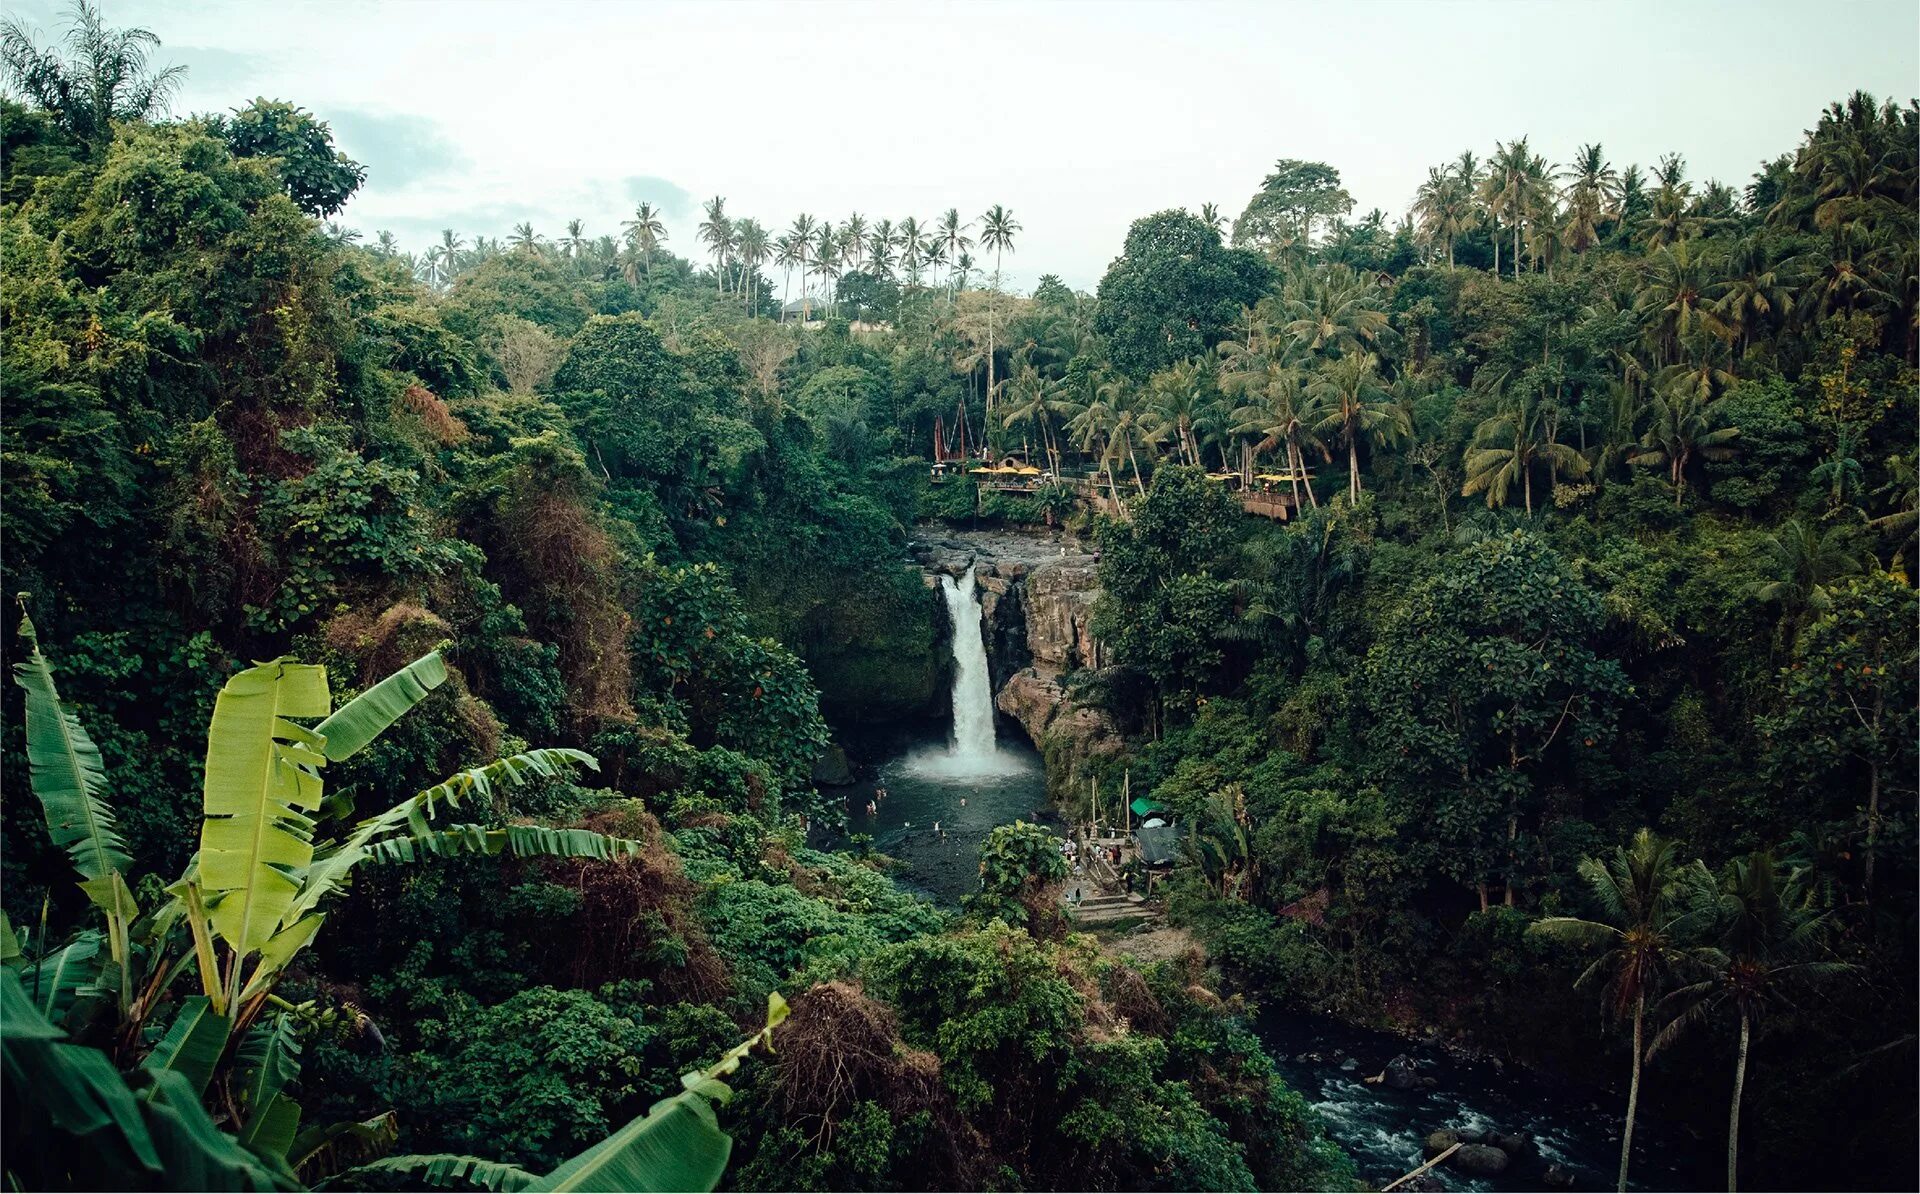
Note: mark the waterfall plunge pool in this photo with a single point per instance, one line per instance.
(944, 797)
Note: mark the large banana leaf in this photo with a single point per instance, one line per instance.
(82, 1127)
(268, 1060)
(333, 865)
(520, 841)
(65, 772)
(193, 1045)
(678, 1145)
(363, 718)
(262, 778)
(446, 1170)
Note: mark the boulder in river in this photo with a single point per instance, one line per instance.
(1479, 1160)
(1514, 1144)
(1557, 1177)
(1439, 1141)
(1400, 1073)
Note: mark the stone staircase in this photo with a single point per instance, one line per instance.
(1098, 911)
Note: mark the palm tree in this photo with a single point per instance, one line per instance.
(826, 258)
(524, 238)
(1644, 928)
(853, 239)
(802, 234)
(1211, 216)
(997, 230)
(1277, 411)
(1682, 428)
(788, 252)
(753, 248)
(1444, 208)
(913, 249)
(646, 231)
(952, 234)
(1676, 299)
(1356, 405)
(879, 248)
(1175, 397)
(1592, 196)
(1509, 191)
(1668, 223)
(1769, 937)
(716, 232)
(103, 78)
(576, 242)
(1335, 310)
(443, 259)
(1805, 561)
(1758, 289)
(1505, 449)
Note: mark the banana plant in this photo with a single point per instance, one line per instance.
(86, 1125)
(251, 899)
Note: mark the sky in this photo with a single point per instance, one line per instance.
(1079, 117)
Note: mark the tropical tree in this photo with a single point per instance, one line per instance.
(1683, 428)
(1335, 310)
(646, 232)
(1768, 937)
(525, 239)
(952, 235)
(1805, 560)
(250, 901)
(997, 230)
(1591, 196)
(716, 232)
(826, 258)
(1644, 932)
(1356, 406)
(103, 77)
(753, 249)
(1507, 447)
(801, 234)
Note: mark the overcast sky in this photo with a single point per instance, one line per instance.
(1080, 117)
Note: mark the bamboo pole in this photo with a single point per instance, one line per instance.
(1409, 1176)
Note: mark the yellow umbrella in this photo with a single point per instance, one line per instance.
(1027, 470)
(976, 472)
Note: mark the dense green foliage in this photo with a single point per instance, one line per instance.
(605, 501)
(1616, 532)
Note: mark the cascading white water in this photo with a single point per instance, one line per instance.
(972, 691)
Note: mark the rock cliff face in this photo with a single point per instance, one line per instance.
(1036, 596)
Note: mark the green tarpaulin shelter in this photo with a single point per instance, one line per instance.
(1142, 807)
(1159, 845)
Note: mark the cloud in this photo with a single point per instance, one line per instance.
(227, 72)
(397, 148)
(670, 197)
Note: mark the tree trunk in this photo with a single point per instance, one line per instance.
(1353, 470)
(1526, 485)
(1633, 1089)
(1733, 1118)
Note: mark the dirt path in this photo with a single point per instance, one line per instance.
(1162, 943)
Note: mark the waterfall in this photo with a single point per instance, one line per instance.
(972, 690)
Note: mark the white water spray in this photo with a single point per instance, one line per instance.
(971, 754)
(972, 690)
